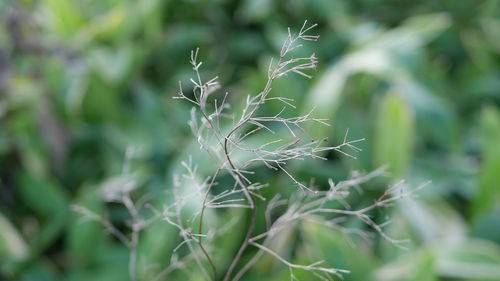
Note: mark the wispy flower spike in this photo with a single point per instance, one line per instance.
(234, 154)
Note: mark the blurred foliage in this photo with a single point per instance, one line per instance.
(83, 81)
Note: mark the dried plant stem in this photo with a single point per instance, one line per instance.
(136, 225)
(134, 238)
(200, 225)
(311, 267)
(253, 218)
(241, 181)
(220, 144)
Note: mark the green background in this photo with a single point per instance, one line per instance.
(83, 80)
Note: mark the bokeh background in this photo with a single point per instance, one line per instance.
(83, 81)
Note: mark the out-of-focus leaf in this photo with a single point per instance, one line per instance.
(425, 27)
(255, 10)
(487, 226)
(77, 87)
(394, 135)
(112, 65)
(111, 263)
(101, 101)
(49, 203)
(334, 10)
(40, 270)
(453, 175)
(433, 221)
(64, 16)
(226, 240)
(81, 230)
(470, 259)
(338, 250)
(424, 269)
(182, 39)
(156, 248)
(104, 26)
(420, 266)
(105, 273)
(490, 27)
(150, 19)
(325, 96)
(381, 57)
(23, 93)
(115, 188)
(244, 46)
(478, 49)
(490, 131)
(462, 259)
(12, 245)
(399, 229)
(488, 191)
(279, 244)
(434, 115)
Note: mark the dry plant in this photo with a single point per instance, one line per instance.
(224, 145)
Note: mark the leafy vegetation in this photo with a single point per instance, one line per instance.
(87, 110)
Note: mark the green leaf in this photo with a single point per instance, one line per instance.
(49, 204)
(490, 26)
(488, 188)
(278, 243)
(394, 135)
(469, 259)
(39, 270)
(419, 266)
(64, 16)
(433, 221)
(487, 227)
(112, 64)
(382, 57)
(255, 10)
(105, 26)
(338, 250)
(228, 242)
(83, 232)
(12, 244)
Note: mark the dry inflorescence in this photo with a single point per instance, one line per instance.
(225, 144)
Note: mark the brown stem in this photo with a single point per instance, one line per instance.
(253, 221)
(200, 226)
(241, 182)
